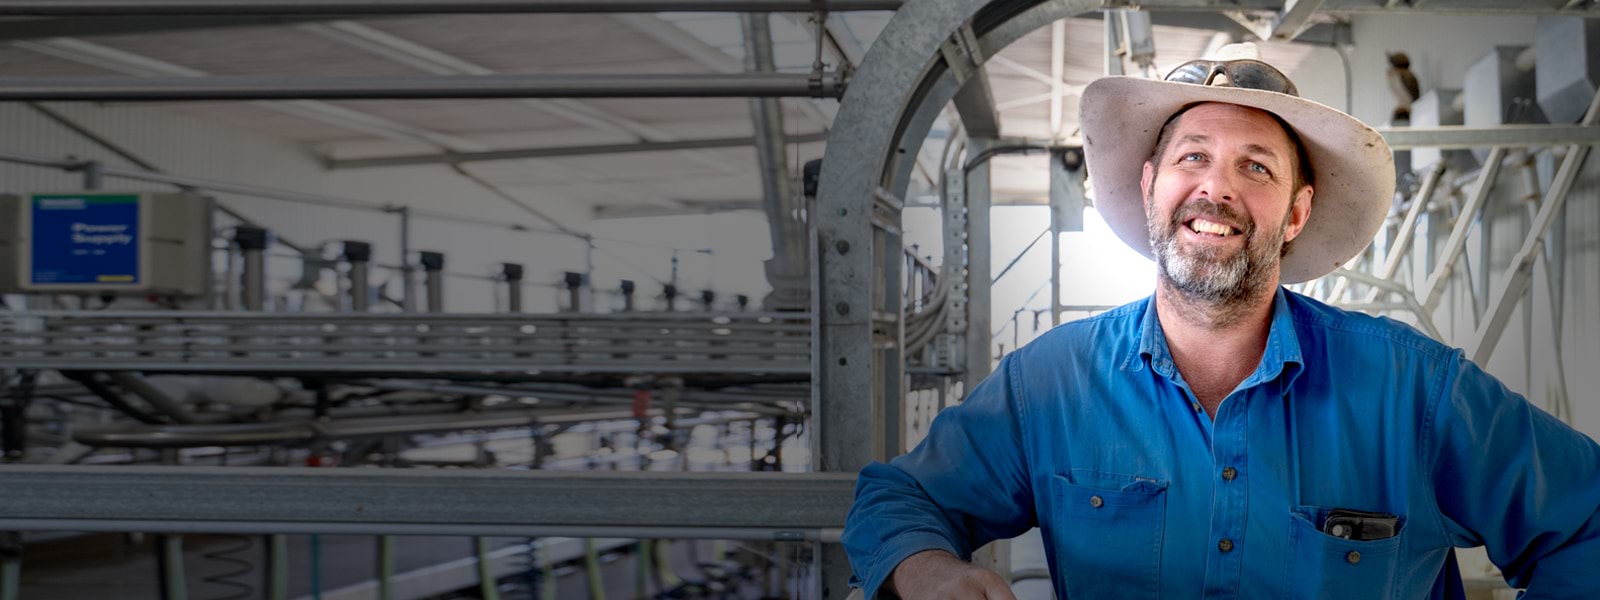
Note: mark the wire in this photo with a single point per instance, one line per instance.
(986, 155)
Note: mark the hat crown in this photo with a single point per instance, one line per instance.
(1236, 51)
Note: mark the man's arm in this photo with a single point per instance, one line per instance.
(965, 485)
(1518, 481)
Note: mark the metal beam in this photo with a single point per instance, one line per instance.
(606, 211)
(52, 27)
(143, 66)
(1286, 25)
(1508, 136)
(420, 502)
(411, 7)
(556, 152)
(1519, 276)
(431, 60)
(260, 87)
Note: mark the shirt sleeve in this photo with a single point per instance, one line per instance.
(1516, 480)
(965, 485)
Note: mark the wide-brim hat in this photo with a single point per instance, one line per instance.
(1352, 166)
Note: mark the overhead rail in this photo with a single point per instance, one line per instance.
(557, 152)
(1505, 136)
(379, 343)
(273, 500)
(407, 7)
(272, 87)
(1283, 10)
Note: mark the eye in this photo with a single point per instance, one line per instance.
(1191, 157)
(1258, 168)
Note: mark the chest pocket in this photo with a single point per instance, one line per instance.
(1107, 534)
(1324, 566)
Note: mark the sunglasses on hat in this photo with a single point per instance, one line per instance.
(1244, 73)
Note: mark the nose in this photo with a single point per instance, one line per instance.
(1218, 185)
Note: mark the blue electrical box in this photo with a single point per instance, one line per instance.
(82, 239)
(98, 242)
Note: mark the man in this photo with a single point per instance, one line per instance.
(1227, 438)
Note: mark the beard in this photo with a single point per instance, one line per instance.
(1203, 275)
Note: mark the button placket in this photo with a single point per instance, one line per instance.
(1230, 498)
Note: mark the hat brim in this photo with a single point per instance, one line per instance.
(1352, 165)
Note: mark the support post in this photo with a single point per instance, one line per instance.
(512, 272)
(252, 242)
(1433, 290)
(359, 255)
(408, 283)
(1066, 214)
(433, 279)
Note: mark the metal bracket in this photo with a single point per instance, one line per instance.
(962, 54)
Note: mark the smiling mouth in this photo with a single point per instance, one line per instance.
(1210, 228)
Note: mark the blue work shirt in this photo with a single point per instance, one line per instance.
(1091, 434)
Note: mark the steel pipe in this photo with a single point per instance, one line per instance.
(142, 388)
(454, 158)
(62, 8)
(389, 500)
(265, 87)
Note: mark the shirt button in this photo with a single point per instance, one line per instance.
(1226, 545)
(1096, 502)
(1196, 406)
(1229, 473)
(1353, 557)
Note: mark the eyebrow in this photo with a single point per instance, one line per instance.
(1259, 149)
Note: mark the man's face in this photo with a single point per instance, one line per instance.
(1221, 203)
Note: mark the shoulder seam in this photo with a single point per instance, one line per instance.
(1434, 349)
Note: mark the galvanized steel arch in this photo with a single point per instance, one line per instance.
(887, 110)
(902, 84)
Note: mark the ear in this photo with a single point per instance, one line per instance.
(1299, 213)
(1147, 179)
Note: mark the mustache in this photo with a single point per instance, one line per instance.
(1202, 207)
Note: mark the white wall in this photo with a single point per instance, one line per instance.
(1440, 47)
(185, 146)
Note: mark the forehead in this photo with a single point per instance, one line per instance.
(1234, 125)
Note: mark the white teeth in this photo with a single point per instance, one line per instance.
(1204, 226)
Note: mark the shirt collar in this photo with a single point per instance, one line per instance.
(1283, 345)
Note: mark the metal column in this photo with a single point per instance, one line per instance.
(359, 255)
(512, 272)
(253, 242)
(786, 269)
(408, 283)
(979, 352)
(979, 346)
(433, 279)
(1066, 214)
(574, 283)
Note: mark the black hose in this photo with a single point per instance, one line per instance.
(104, 392)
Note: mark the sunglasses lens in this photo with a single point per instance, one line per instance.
(1191, 72)
(1259, 76)
(1241, 73)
